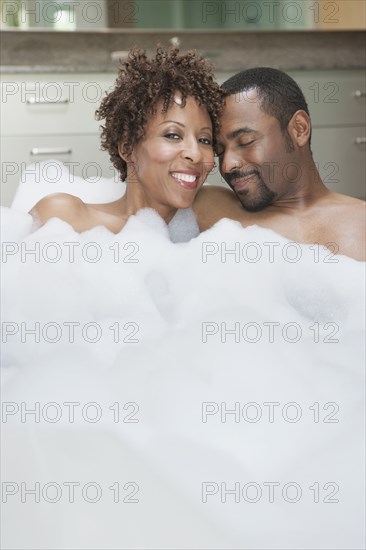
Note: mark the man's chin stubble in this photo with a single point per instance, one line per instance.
(261, 203)
(254, 207)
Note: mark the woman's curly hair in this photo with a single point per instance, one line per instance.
(141, 83)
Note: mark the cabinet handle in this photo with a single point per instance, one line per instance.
(358, 93)
(36, 151)
(120, 55)
(43, 101)
(175, 42)
(360, 140)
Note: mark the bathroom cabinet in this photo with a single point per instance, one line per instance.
(51, 116)
(336, 101)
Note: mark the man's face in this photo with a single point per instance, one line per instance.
(256, 159)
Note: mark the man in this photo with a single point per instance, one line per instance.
(265, 157)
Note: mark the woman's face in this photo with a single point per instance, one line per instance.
(175, 156)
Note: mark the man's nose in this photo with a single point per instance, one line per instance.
(230, 161)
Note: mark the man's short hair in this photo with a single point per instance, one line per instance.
(279, 95)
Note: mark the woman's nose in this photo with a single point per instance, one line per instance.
(192, 151)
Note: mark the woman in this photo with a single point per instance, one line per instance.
(160, 123)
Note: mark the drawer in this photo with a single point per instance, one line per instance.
(334, 97)
(340, 160)
(81, 154)
(45, 104)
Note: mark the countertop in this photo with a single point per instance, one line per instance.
(90, 51)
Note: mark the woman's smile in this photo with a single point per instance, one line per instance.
(173, 159)
(186, 178)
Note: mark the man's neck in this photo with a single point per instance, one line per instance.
(309, 191)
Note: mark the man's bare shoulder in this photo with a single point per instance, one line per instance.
(67, 207)
(345, 200)
(349, 208)
(358, 208)
(214, 192)
(354, 217)
(214, 202)
(347, 216)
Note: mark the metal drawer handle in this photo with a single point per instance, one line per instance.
(43, 101)
(358, 93)
(360, 140)
(119, 55)
(36, 151)
(175, 42)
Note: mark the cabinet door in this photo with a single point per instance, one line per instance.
(334, 97)
(51, 104)
(340, 157)
(81, 154)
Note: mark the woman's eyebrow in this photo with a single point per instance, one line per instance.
(172, 121)
(182, 125)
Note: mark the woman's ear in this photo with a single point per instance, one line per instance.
(129, 158)
(122, 152)
(299, 128)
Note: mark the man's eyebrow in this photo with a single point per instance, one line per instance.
(240, 131)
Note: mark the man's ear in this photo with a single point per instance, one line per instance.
(299, 128)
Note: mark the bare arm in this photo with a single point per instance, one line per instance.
(67, 207)
(213, 203)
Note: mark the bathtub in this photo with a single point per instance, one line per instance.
(200, 395)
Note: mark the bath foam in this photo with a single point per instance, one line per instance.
(53, 176)
(184, 339)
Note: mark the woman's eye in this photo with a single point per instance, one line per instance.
(172, 135)
(206, 141)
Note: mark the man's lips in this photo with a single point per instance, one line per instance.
(186, 178)
(241, 182)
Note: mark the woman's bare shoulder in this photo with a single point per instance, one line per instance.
(67, 207)
(80, 215)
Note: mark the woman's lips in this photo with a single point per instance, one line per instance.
(187, 178)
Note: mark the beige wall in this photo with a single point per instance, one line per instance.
(342, 14)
